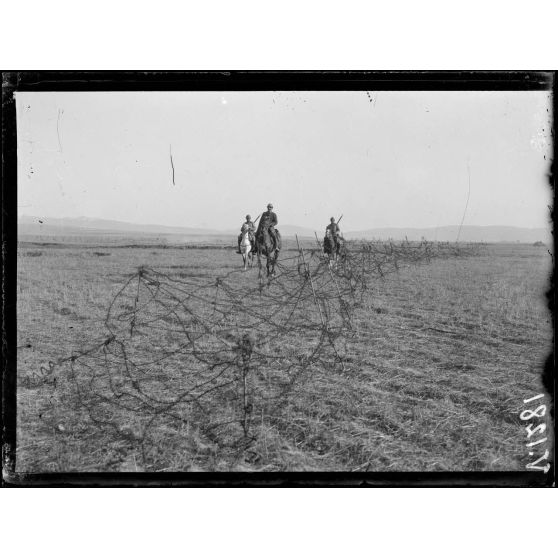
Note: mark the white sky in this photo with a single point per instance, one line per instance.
(383, 159)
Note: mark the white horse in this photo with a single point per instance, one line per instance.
(246, 250)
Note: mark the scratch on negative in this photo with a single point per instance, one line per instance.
(172, 164)
(60, 113)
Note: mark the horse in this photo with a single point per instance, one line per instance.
(332, 247)
(269, 247)
(246, 250)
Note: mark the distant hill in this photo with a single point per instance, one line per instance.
(468, 233)
(83, 226)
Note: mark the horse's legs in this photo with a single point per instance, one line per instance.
(259, 254)
(271, 264)
(249, 258)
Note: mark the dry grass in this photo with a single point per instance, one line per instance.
(436, 374)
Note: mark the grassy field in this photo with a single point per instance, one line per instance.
(432, 376)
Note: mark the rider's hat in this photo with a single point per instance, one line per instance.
(332, 219)
(248, 217)
(270, 206)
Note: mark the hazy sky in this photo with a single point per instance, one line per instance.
(382, 159)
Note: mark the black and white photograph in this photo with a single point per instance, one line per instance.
(285, 279)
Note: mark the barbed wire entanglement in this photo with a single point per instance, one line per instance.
(184, 356)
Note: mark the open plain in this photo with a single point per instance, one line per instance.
(426, 371)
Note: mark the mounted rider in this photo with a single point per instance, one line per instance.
(249, 226)
(334, 231)
(269, 221)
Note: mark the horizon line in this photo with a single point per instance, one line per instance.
(360, 229)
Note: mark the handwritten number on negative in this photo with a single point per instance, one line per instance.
(533, 398)
(538, 412)
(536, 467)
(537, 442)
(537, 430)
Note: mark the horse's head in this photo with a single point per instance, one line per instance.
(267, 245)
(264, 239)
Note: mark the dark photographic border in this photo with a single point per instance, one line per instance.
(13, 81)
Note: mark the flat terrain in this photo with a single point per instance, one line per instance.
(427, 371)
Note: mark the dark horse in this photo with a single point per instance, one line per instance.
(332, 246)
(267, 246)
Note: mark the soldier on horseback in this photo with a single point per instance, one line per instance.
(268, 240)
(333, 240)
(268, 222)
(246, 226)
(334, 230)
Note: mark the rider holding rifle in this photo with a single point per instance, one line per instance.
(269, 222)
(334, 229)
